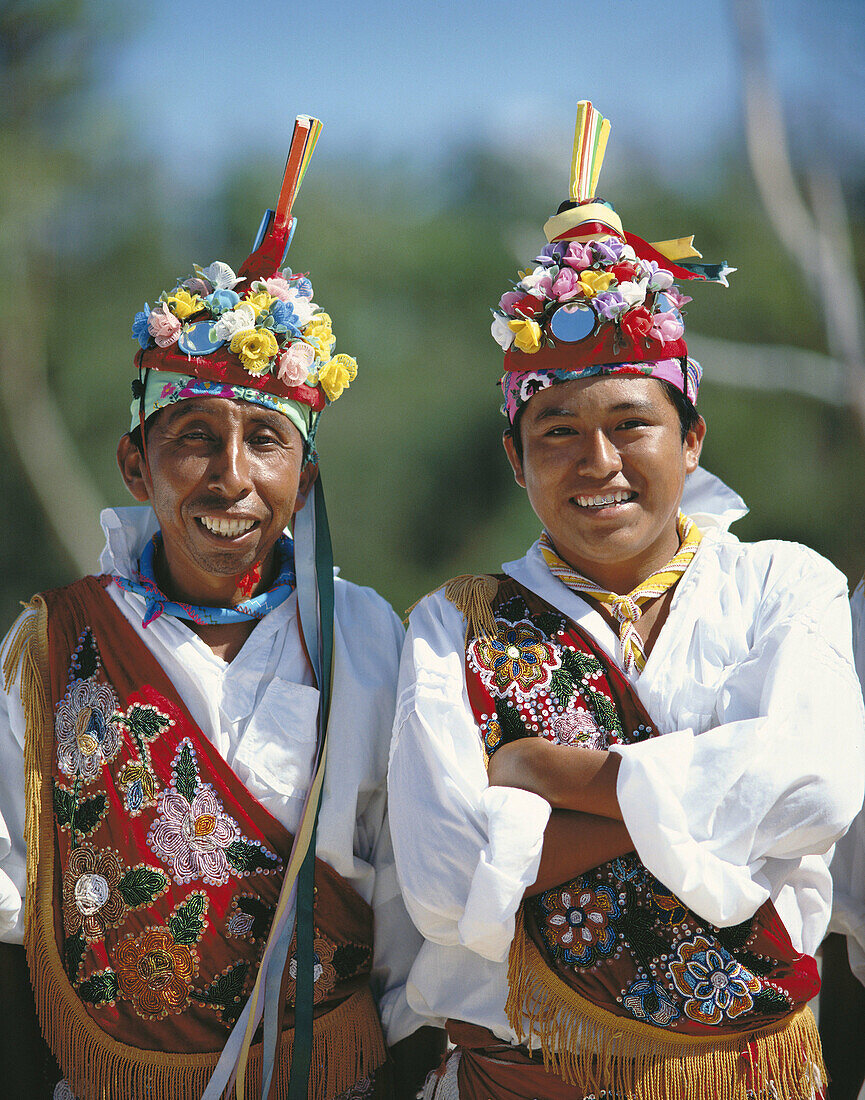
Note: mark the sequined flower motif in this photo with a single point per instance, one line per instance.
(714, 984)
(191, 836)
(91, 900)
(646, 1000)
(492, 736)
(140, 786)
(517, 660)
(667, 906)
(323, 971)
(577, 922)
(577, 727)
(87, 735)
(155, 973)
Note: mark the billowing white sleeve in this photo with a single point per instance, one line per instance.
(716, 816)
(465, 851)
(12, 854)
(848, 863)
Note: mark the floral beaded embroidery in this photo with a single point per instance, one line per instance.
(142, 723)
(714, 984)
(517, 661)
(195, 837)
(579, 923)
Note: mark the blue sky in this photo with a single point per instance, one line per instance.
(404, 81)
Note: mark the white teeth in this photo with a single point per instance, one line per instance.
(228, 527)
(598, 502)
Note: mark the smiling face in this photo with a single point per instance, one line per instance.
(224, 478)
(604, 465)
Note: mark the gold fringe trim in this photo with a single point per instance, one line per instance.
(473, 595)
(595, 1050)
(348, 1042)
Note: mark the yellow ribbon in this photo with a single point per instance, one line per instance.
(627, 609)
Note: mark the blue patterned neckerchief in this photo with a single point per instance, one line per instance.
(157, 603)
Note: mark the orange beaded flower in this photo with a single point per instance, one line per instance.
(155, 972)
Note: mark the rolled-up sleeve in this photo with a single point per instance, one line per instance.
(778, 776)
(465, 852)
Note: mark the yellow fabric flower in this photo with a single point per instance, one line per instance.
(527, 334)
(260, 302)
(183, 304)
(336, 375)
(320, 329)
(595, 282)
(256, 348)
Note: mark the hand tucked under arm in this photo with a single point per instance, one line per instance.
(569, 777)
(574, 843)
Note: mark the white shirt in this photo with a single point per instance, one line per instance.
(759, 771)
(848, 864)
(260, 713)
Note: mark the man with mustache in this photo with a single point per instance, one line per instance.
(194, 742)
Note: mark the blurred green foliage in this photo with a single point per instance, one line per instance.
(418, 487)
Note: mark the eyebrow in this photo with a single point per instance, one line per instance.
(625, 406)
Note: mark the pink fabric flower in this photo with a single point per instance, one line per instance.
(277, 286)
(567, 285)
(667, 327)
(164, 326)
(677, 297)
(294, 364)
(508, 300)
(197, 286)
(578, 256)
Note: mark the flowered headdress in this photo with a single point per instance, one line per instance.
(256, 335)
(597, 300)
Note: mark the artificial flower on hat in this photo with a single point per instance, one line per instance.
(257, 330)
(598, 299)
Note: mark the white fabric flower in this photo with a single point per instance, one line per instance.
(502, 334)
(220, 276)
(236, 320)
(628, 254)
(531, 282)
(305, 308)
(633, 292)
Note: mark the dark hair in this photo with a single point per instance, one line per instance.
(135, 433)
(688, 415)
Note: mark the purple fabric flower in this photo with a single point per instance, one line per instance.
(608, 252)
(551, 254)
(140, 330)
(578, 256)
(508, 301)
(609, 304)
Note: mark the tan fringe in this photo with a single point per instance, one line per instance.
(473, 595)
(594, 1050)
(347, 1042)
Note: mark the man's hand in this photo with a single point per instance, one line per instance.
(569, 777)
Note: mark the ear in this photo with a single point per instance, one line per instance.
(513, 457)
(693, 445)
(132, 469)
(307, 479)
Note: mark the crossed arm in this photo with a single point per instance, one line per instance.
(586, 827)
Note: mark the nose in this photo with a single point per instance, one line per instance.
(599, 458)
(230, 472)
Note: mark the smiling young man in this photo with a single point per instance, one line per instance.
(163, 744)
(619, 767)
